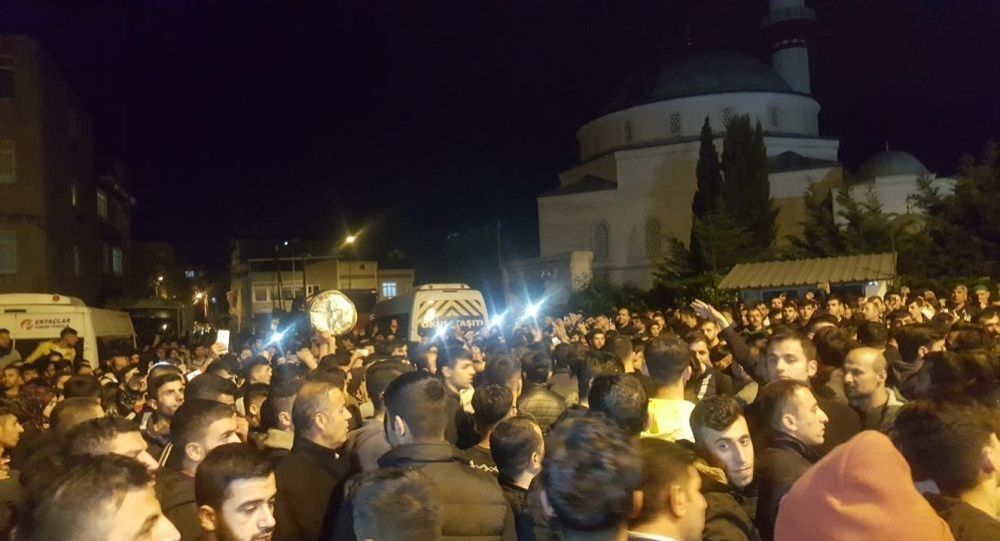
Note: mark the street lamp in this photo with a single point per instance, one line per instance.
(350, 239)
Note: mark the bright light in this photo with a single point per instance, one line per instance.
(164, 327)
(198, 296)
(276, 337)
(350, 239)
(286, 243)
(440, 332)
(532, 310)
(214, 300)
(497, 320)
(429, 316)
(159, 278)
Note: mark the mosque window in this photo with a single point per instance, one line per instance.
(627, 131)
(773, 118)
(654, 239)
(675, 123)
(601, 240)
(727, 115)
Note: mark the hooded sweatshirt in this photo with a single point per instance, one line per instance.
(861, 490)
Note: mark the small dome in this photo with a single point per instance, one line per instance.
(695, 75)
(889, 163)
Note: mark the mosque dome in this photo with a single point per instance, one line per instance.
(696, 74)
(890, 163)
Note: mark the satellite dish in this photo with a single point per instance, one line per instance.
(333, 312)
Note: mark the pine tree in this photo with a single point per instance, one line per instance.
(708, 173)
(746, 191)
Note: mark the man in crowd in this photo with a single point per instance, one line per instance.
(211, 387)
(393, 504)
(955, 443)
(234, 488)
(536, 398)
(472, 504)
(276, 419)
(8, 355)
(258, 370)
(597, 339)
(65, 346)
(72, 412)
(590, 477)
(518, 449)
(865, 375)
(914, 343)
(722, 438)
(960, 305)
(11, 382)
(102, 498)
(491, 404)
(311, 473)
(989, 318)
(798, 426)
(673, 506)
(108, 435)
(367, 444)
(198, 427)
(166, 395)
(455, 366)
(667, 360)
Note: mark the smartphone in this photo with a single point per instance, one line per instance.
(223, 338)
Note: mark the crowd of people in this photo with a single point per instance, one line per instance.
(822, 418)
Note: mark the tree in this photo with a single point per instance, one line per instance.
(746, 191)
(821, 236)
(708, 173)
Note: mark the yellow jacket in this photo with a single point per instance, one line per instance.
(45, 348)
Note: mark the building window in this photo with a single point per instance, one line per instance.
(76, 260)
(105, 258)
(675, 123)
(7, 171)
(102, 205)
(8, 252)
(74, 192)
(260, 293)
(773, 118)
(727, 115)
(313, 289)
(117, 261)
(627, 131)
(601, 241)
(654, 239)
(388, 290)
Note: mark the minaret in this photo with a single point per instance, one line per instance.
(787, 26)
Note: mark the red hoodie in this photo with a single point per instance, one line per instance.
(862, 490)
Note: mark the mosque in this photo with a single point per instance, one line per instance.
(632, 189)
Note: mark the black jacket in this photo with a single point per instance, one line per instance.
(844, 424)
(965, 521)
(779, 466)
(472, 504)
(175, 492)
(308, 480)
(726, 517)
(543, 403)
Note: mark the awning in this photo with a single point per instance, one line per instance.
(810, 272)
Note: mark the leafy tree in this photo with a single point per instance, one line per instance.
(821, 236)
(708, 173)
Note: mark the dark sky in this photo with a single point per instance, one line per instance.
(412, 119)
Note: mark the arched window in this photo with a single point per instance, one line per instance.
(675, 123)
(654, 239)
(601, 240)
(727, 115)
(627, 131)
(774, 117)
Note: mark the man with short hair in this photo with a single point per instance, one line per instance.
(537, 399)
(955, 443)
(73, 411)
(367, 444)
(456, 369)
(914, 343)
(197, 427)
(989, 318)
(673, 506)
(504, 370)
(258, 370)
(313, 470)
(8, 355)
(667, 360)
(11, 382)
(597, 339)
(394, 504)
(491, 404)
(960, 305)
(211, 387)
(722, 438)
(865, 374)
(472, 504)
(102, 498)
(798, 426)
(276, 420)
(65, 346)
(518, 448)
(166, 395)
(590, 477)
(108, 435)
(234, 488)
(834, 307)
(622, 399)
(623, 322)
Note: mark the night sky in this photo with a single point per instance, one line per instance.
(415, 119)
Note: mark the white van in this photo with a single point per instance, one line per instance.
(419, 314)
(33, 318)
